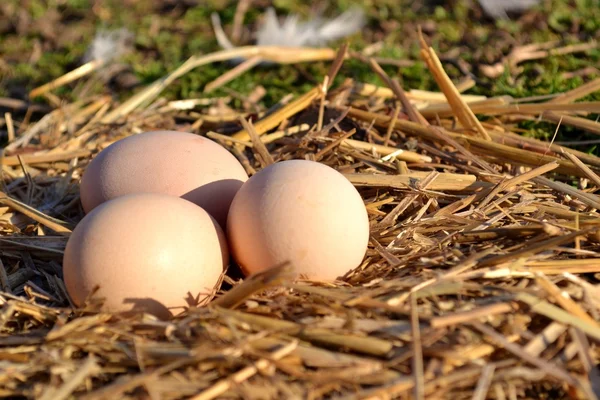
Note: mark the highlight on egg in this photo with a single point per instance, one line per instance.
(165, 162)
(302, 212)
(145, 252)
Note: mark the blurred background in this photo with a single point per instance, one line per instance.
(43, 39)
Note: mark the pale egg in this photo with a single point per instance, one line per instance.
(147, 252)
(302, 212)
(168, 162)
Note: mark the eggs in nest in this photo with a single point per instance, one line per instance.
(165, 208)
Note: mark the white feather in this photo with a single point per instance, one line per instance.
(346, 24)
(108, 45)
(314, 33)
(499, 9)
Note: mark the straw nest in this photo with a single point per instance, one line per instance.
(479, 282)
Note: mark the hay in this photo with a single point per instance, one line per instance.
(480, 280)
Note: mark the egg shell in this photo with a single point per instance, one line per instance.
(146, 252)
(302, 212)
(168, 162)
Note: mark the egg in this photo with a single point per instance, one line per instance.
(169, 162)
(302, 212)
(145, 252)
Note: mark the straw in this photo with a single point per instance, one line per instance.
(478, 281)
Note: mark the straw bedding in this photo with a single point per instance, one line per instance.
(480, 280)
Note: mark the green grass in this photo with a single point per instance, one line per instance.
(182, 33)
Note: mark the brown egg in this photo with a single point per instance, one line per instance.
(145, 252)
(169, 162)
(302, 212)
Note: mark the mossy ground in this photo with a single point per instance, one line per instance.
(43, 39)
